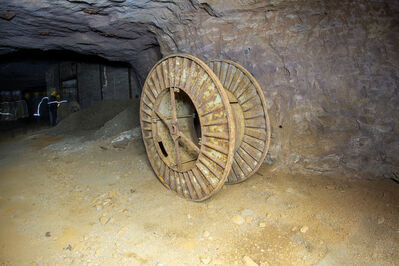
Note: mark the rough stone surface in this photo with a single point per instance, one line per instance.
(329, 69)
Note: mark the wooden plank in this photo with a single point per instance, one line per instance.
(161, 170)
(149, 105)
(196, 185)
(165, 74)
(149, 96)
(244, 98)
(146, 120)
(235, 83)
(256, 123)
(151, 87)
(219, 135)
(215, 122)
(206, 176)
(202, 90)
(160, 77)
(234, 79)
(193, 68)
(217, 68)
(179, 188)
(157, 87)
(253, 152)
(214, 159)
(242, 164)
(171, 72)
(245, 84)
(216, 147)
(250, 107)
(172, 180)
(190, 187)
(184, 72)
(177, 71)
(238, 171)
(254, 143)
(198, 81)
(166, 176)
(184, 186)
(257, 133)
(201, 180)
(210, 167)
(147, 112)
(229, 76)
(217, 108)
(223, 72)
(251, 162)
(147, 128)
(233, 178)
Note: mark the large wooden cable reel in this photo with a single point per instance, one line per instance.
(203, 125)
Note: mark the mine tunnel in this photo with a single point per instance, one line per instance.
(199, 132)
(76, 81)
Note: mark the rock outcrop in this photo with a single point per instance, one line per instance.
(329, 69)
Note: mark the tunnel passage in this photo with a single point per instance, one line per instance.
(28, 76)
(31, 70)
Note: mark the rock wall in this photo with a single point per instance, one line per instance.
(329, 69)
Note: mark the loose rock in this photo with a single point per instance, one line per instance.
(237, 219)
(248, 261)
(248, 219)
(104, 220)
(248, 212)
(206, 234)
(205, 260)
(99, 251)
(304, 229)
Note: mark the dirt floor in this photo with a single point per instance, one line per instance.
(70, 201)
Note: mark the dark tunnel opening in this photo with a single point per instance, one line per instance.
(30, 78)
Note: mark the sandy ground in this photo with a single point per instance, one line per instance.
(68, 201)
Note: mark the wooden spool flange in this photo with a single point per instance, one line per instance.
(189, 117)
(250, 113)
